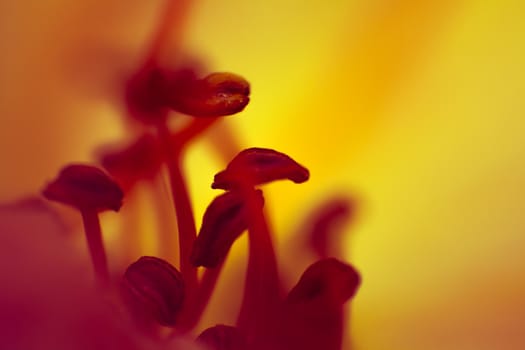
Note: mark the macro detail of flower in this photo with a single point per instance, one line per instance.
(154, 294)
(181, 174)
(158, 303)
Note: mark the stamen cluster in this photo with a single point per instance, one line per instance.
(155, 292)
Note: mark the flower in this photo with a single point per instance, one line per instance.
(152, 294)
(426, 89)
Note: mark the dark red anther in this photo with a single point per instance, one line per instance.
(85, 187)
(90, 190)
(216, 95)
(252, 167)
(328, 221)
(139, 161)
(256, 166)
(222, 337)
(153, 91)
(145, 95)
(153, 290)
(224, 220)
(329, 282)
(312, 316)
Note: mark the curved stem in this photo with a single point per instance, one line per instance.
(96, 245)
(262, 289)
(172, 14)
(183, 210)
(192, 315)
(165, 218)
(185, 220)
(206, 287)
(196, 127)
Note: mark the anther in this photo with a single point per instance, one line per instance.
(141, 160)
(222, 337)
(90, 190)
(329, 282)
(256, 166)
(216, 95)
(85, 187)
(153, 290)
(223, 222)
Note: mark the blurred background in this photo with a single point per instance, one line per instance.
(414, 109)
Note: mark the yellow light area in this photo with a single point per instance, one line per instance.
(417, 108)
(414, 107)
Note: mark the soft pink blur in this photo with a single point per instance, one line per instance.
(48, 299)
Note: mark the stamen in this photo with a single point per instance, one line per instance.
(182, 138)
(150, 94)
(138, 161)
(326, 222)
(85, 187)
(216, 95)
(186, 89)
(262, 285)
(329, 281)
(249, 168)
(183, 210)
(153, 290)
(145, 95)
(193, 312)
(256, 166)
(224, 221)
(312, 316)
(90, 190)
(153, 91)
(172, 15)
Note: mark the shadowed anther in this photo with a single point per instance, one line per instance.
(216, 95)
(90, 190)
(154, 90)
(312, 316)
(222, 337)
(326, 223)
(145, 95)
(85, 187)
(140, 160)
(256, 166)
(329, 282)
(153, 290)
(224, 221)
